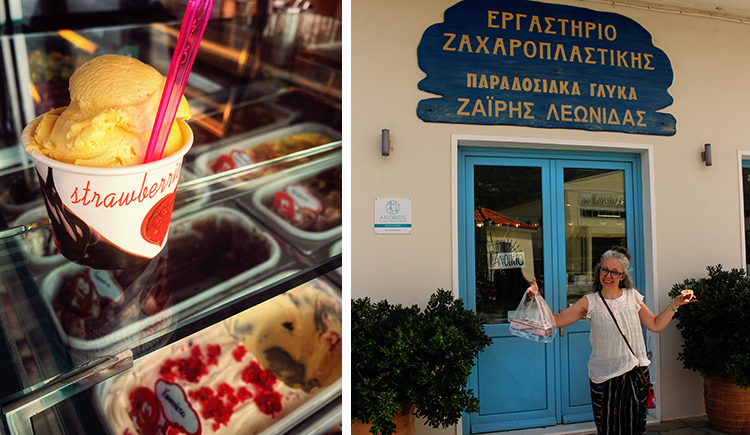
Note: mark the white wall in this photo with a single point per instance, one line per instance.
(697, 208)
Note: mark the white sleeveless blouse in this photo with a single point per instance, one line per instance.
(610, 356)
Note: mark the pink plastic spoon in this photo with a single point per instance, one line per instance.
(188, 42)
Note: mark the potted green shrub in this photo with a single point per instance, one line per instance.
(403, 357)
(717, 344)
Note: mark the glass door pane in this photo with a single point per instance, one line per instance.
(594, 222)
(508, 237)
(746, 196)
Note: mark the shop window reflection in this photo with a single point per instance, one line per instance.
(508, 237)
(595, 217)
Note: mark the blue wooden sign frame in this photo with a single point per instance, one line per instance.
(526, 63)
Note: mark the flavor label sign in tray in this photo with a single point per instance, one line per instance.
(207, 253)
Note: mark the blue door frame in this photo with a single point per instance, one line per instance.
(558, 392)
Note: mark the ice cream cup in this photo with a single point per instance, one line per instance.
(110, 218)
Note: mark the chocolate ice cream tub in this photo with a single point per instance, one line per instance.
(97, 311)
(260, 148)
(304, 205)
(207, 255)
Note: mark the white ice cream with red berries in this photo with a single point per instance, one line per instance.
(204, 384)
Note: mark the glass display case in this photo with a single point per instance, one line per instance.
(265, 97)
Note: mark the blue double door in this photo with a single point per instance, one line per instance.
(550, 215)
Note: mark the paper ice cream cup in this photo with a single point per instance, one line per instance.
(110, 218)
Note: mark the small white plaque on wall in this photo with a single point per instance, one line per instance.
(392, 215)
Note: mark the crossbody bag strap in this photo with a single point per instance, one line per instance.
(617, 325)
(620, 331)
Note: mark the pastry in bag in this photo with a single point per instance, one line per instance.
(533, 320)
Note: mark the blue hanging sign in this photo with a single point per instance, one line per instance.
(521, 62)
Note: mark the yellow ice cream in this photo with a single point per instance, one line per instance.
(296, 335)
(113, 104)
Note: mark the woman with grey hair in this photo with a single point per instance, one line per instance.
(618, 369)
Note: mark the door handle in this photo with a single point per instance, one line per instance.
(562, 331)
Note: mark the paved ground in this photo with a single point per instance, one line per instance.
(688, 426)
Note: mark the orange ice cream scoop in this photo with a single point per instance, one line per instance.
(113, 103)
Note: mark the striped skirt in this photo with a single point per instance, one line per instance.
(620, 404)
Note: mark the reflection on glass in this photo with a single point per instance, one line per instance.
(508, 241)
(594, 222)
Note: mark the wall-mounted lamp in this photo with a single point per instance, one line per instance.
(706, 154)
(385, 142)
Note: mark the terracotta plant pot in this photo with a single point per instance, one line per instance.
(404, 423)
(727, 406)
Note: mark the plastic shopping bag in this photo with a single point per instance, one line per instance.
(533, 320)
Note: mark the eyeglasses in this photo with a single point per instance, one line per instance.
(613, 273)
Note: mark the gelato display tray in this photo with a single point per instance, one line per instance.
(207, 254)
(225, 383)
(260, 148)
(304, 206)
